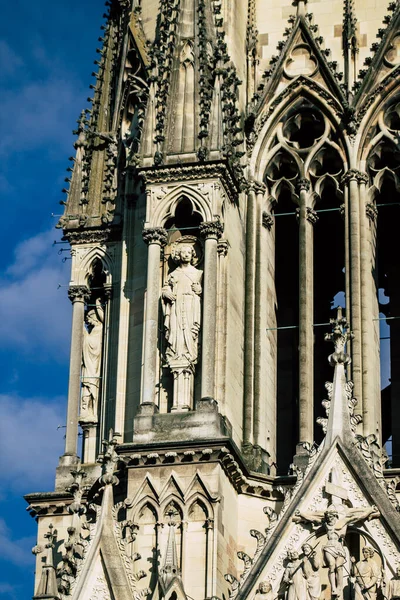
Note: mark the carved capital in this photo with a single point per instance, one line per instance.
(311, 215)
(256, 186)
(78, 293)
(267, 220)
(303, 184)
(355, 175)
(107, 292)
(371, 211)
(211, 229)
(223, 247)
(155, 235)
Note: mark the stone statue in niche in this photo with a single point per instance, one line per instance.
(181, 298)
(367, 575)
(394, 586)
(335, 521)
(293, 577)
(182, 307)
(91, 363)
(264, 591)
(310, 566)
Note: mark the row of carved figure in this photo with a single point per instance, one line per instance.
(181, 300)
(301, 578)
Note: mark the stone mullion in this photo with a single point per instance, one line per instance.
(370, 411)
(212, 232)
(78, 296)
(209, 526)
(351, 179)
(221, 324)
(248, 407)
(261, 299)
(156, 238)
(306, 315)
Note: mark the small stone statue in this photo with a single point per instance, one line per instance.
(310, 566)
(293, 577)
(335, 525)
(264, 591)
(367, 576)
(394, 586)
(91, 363)
(182, 307)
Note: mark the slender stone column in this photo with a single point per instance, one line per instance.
(307, 217)
(209, 525)
(351, 179)
(211, 231)
(367, 325)
(222, 321)
(155, 238)
(260, 310)
(78, 294)
(248, 409)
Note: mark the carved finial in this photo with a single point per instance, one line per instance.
(301, 7)
(109, 459)
(47, 587)
(339, 337)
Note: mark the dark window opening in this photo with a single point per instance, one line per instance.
(287, 315)
(329, 286)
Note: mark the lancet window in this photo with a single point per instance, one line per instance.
(305, 165)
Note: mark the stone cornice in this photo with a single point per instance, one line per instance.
(187, 172)
(92, 236)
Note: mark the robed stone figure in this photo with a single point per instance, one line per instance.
(182, 307)
(91, 363)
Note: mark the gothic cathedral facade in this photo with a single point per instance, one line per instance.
(230, 210)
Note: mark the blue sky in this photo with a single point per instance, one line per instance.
(47, 51)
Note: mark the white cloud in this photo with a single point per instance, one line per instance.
(30, 442)
(18, 551)
(35, 313)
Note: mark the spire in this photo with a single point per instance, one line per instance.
(170, 569)
(47, 588)
(339, 416)
(350, 43)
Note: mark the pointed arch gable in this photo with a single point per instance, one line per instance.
(368, 114)
(172, 489)
(301, 89)
(167, 208)
(97, 252)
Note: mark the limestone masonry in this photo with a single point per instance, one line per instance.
(236, 181)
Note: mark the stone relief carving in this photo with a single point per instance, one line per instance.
(181, 298)
(394, 586)
(293, 577)
(335, 521)
(310, 566)
(264, 591)
(367, 576)
(91, 363)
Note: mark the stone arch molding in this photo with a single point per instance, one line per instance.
(270, 127)
(165, 202)
(84, 259)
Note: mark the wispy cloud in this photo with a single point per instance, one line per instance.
(35, 313)
(30, 442)
(15, 551)
(10, 62)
